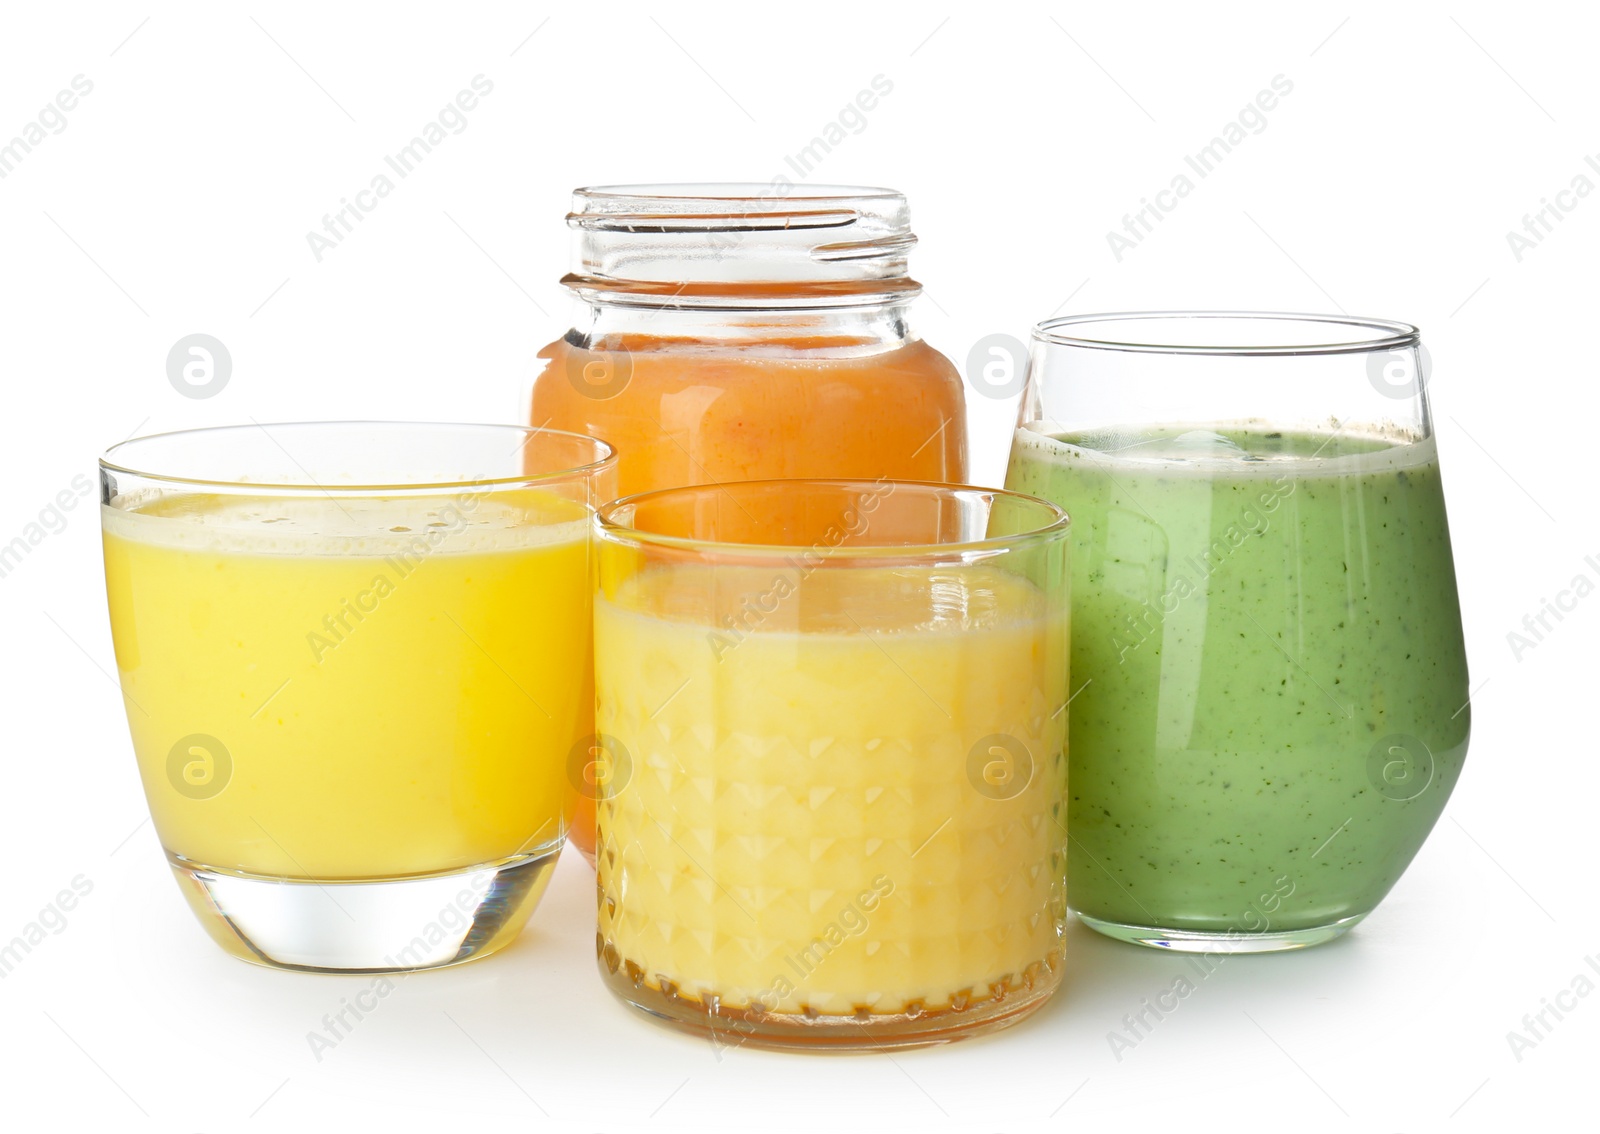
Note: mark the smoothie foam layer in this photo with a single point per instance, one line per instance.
(1210, 450)
(466, 523)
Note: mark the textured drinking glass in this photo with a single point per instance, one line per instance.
(831, 719)
(1271, 700)
(356, 659)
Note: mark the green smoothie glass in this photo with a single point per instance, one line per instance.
(1270, 698)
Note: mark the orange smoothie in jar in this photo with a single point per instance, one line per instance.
(698, 412)
(742, 332)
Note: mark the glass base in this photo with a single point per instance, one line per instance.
(367, 926)
(1205, 941)
(986, 1009)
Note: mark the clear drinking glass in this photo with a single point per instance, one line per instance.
(356, 660)
(830, 714)
(1271, 700)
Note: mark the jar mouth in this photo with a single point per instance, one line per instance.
(720, 238)
(1228, 333)
(751, 196)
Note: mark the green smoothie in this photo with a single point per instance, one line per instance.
(1271, 687)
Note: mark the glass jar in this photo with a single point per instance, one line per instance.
(726, 333)
(833, 718)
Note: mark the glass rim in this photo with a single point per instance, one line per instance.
(731, 191)
(607, 458)
(1383, 334)
(690, 208)
(698, 244)
(610, 530)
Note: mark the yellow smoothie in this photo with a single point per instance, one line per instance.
(810, 811)
(353, 688)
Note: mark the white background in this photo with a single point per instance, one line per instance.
(177, 200)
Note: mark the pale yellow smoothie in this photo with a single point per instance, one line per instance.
(841, 797)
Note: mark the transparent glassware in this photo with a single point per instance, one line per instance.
(831, 718)
(356, 661)
(728, 332)
(1271, 706)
